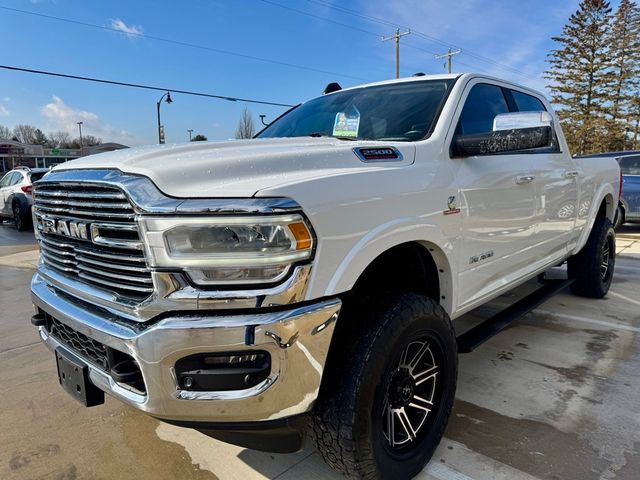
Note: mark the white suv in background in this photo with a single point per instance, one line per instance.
(15, 195)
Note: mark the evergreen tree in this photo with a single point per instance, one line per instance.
(39, 138)
(579, 74)
(624, 51)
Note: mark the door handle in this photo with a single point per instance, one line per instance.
(571, 174)
(523, 179)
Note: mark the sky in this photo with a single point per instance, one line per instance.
(281, 51)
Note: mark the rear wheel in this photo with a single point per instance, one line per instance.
(592, 268)
(385, 405)
(20, 217)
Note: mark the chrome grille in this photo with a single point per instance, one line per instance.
(114, 260)
(85, 202)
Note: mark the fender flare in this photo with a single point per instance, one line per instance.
(24, 203)
(386, 236)
(604, 193)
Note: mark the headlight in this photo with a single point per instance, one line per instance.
(228, 250)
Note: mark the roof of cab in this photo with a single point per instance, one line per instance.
(444, 76)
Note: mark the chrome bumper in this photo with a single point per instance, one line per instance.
(297, 339)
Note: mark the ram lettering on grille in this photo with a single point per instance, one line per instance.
(88, 233)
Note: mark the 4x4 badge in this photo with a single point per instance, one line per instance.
(452, 206)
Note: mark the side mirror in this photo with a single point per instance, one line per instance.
(512, 132)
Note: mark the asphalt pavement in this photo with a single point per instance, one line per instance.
(554, 396)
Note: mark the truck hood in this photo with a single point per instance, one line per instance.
(239, 168)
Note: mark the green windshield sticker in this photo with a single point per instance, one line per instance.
(347, 123)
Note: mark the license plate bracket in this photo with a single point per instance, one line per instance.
(73, 375)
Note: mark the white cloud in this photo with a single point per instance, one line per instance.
(61, 116)
(130, 31)
(6, 99)
(3, 111)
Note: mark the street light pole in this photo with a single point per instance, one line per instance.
(190, 132)
(168, 100)
(80, 128)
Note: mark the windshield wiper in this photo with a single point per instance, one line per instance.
(318, 134)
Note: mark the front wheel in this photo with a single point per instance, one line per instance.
(592, 268)
(384, 406)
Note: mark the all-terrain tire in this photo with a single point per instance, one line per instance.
(21, 219)
(592, 268)
(360, 379)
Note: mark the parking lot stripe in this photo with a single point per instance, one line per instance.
(444, 472)
(612, 325)
(630, 300)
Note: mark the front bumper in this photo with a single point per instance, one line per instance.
(297, 339)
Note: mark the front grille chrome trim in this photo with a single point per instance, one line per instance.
(168, 291)
(113, 284)
(112, 231)
(97, 196)
(146, 197)
(116, 276)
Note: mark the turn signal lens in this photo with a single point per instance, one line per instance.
(301, 234)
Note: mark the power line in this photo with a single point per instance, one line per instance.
(449, 55)
(328, 20)
(423, 35)
(179, 42)
(138, 85)
(378, 35)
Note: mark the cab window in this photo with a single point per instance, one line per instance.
(483, 103)
(527, 103)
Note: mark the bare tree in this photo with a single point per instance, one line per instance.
(25, 133)
(59, 139)
(5, 133)
(199, 138)
(89, 140)
(245, 125)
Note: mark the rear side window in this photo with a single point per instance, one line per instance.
(37, 176)
(630, 165)
(527, 103)
(483, 103)
(17, 178)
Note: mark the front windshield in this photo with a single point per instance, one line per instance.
(397, 111)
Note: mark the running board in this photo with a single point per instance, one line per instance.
(470, 340)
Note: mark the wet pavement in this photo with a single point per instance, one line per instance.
(554, 396)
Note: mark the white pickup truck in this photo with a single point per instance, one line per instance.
(308, 279)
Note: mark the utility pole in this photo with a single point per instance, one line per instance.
(190, 132)
(449, 54)
(396, 36)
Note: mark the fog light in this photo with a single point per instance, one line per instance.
(212, 372)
